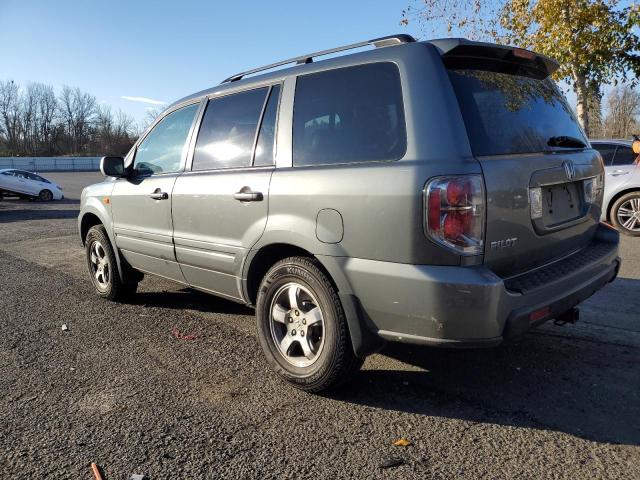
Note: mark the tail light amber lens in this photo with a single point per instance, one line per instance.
(454, 212)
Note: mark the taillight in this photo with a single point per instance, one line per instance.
(592, 187)
(454, 212)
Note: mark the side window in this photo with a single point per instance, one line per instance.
(228, 130)
(607, 151)
(266, 138)
(347, 115)
(624, 156)
(161, 150)
(33, 176)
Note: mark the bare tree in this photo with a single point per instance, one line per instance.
(10, 114)
(33, 121)
(47, 107)
(28, 119)
(78, 111)
(623, 111)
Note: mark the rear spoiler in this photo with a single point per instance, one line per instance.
(463, 53)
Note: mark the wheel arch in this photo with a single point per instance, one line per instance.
(87, 221)
(91, 216)
(260, 260)
(46, 190)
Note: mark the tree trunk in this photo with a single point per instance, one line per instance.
(595, 110)
(582, 100)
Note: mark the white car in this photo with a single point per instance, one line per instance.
(621, 203)
(27, 184)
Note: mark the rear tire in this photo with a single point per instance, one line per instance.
(302, 326)
(103, 269)
(45, 196)
(625, 214)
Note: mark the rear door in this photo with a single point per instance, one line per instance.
(538, 169)
(9, 181)
(622, 167)
(220, 206)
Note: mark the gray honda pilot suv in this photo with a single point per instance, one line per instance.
(437, 193)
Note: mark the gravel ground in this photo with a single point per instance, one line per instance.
(118, 389)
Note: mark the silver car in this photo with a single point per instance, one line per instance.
(621, 202)
(437, 193)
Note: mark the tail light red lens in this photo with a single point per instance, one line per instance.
(434, 209)
(455, 209)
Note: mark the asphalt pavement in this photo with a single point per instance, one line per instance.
(119, 389)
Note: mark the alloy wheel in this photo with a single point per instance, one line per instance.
(629, 214)
(297, 325)
(100, 267)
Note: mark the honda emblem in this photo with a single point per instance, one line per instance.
(569, 169)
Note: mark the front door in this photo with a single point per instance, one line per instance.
(141, 203)
(220, 207)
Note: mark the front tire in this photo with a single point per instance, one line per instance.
(45, 196)
(625, 214)
(302, 326)
(103, 269)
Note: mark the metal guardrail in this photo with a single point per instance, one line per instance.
(52, 164)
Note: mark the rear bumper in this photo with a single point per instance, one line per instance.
(471, 306)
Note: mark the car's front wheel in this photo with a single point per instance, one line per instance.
(45, 196)
(302, 326)
(625, 214)
(103, 270)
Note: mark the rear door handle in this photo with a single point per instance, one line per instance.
(246, 195)
(158, 195)
(615, 173)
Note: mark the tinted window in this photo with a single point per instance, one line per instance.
(228, 131)
(507, 113)
(266, 137)
(37, 178)
(346, 115)
(607, 151)
(624, 156)
(161, 150)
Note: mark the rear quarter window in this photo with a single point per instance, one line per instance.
(349, 115)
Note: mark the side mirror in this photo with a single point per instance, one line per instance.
(113, 167)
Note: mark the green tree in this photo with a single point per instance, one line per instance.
(595, 41)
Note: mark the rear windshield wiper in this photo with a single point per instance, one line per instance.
(566, 141)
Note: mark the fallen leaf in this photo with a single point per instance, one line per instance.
(402, 442)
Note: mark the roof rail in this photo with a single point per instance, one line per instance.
(376, 42)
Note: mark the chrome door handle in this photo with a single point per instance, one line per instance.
(615, 173)
(158, 195)
(248, 196)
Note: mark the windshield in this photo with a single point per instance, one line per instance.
(514, 114)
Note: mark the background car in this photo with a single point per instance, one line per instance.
(30, 185)
(621, 203)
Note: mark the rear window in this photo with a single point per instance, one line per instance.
(510, 113)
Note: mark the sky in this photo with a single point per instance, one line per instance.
(130, 54)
